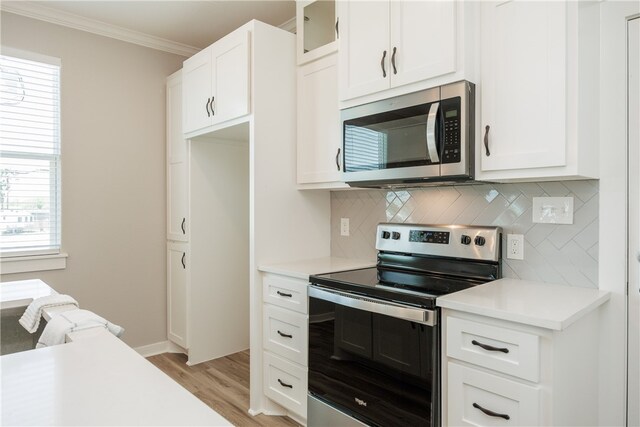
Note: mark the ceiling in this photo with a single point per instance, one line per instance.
(192, 23)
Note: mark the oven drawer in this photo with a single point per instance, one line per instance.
(285, 333)
(285, 383)
(285, 292)
(478, 398)
(504, 350)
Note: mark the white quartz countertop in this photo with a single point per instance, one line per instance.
(304, 268)
(22, 292)
(96, 380)
(533, 303)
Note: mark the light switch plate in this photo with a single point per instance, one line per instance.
(553, 210)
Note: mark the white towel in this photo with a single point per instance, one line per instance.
(72, 321)
(30, 320)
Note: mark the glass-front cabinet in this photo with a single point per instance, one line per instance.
(317, 27)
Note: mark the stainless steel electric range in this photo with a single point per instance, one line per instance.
(374, 333)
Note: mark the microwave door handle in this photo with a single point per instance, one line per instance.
(432, 148)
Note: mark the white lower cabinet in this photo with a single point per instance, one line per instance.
(477, 398)
(285, 333)
(177, 281)
(501, 373)
(285, 343)
(286, 383)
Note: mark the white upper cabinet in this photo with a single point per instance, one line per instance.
(536, 62)
(216, 83)
(364, 47)
(388, 44)
(319, 130)
(196, 93)
(423, 40)
(177, 164)
(230, 70)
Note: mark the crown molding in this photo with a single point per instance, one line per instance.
(77, 22)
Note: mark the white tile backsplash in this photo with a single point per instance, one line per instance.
(566, 254)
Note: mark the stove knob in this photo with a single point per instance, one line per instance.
(479, 241)
(395, 235)
(386, 234)
(465, 240)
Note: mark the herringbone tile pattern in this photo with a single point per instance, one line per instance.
(564, 254)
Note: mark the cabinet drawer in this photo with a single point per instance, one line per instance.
(501, 349)
(285, 383)
(285, 333)
(285, 292)
(473, 395)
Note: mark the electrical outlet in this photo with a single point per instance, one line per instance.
(344, 226)
(515, 246)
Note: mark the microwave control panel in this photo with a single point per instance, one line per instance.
(451, 112)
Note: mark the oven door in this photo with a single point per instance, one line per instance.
(373, 360)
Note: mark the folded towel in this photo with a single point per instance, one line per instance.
(30, 320)
(72, 321)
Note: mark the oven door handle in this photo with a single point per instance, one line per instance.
(373, 305)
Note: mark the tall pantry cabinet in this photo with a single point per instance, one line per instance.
(177, 215)
(244, 207)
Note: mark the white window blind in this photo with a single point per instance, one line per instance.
(29, 154)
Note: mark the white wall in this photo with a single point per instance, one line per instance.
(113, 173)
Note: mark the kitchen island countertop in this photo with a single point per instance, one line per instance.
(96, 380)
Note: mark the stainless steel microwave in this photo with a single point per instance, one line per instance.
(413, 139)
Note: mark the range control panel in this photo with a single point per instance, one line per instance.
(428, 236)
(456, 241)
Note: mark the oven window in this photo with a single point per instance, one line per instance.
(379, 369)
(387, 140)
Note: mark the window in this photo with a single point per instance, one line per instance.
(29, 154)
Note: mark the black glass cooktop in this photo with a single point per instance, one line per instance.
(418, 289)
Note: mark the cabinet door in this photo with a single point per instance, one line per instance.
(177, 164)
(319, 136)
(423, 35)
(364, 41)
(523, 84)
(230, 76)
(177, 284)
(197, 91)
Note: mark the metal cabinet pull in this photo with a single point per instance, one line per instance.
(337, 29)
(184, 266)
(491, 413)
(182, 226)
(284, 384)
(207, 107)
(282, 294)
(393, 61)
(384, 72)
(282, 334)
(489, 347)
(486, 139)
(338, 159)
(213, 112)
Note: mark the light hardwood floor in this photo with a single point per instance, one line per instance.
(223, 384)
